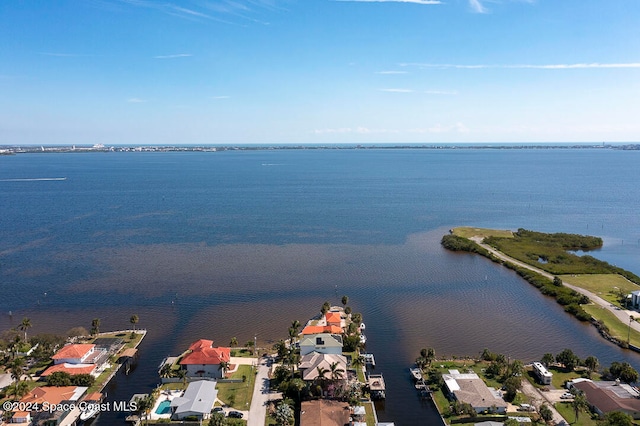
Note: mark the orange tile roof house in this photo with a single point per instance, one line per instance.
(317, 329)
(333, 318)
(74, 354)
(52, 396)
(72, 369)
(204, 360)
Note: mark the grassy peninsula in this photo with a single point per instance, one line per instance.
(549, 261)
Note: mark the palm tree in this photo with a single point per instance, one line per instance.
(250, 345)
(182, 375)
(345, 300)
(336, 372)
(165, 371)
(579, 404)
(224, 366)
(295, 324)
(95, 326)
(134, 320)
(24, 326)
(17, 368)
(358, 362)
(234, 342)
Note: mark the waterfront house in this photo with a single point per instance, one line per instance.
(604, 397)
(311, 364)
(204, 360)
(197, 401)
(52, 396)
(324, 412)
(319, 329)
(75, 354)
(469, 388)
(324, 343)
(333, 318)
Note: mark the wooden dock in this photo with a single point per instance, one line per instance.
(369, 360)
(376, 385)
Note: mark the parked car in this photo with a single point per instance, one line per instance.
(235, 414)
(217, 410)
(566, 395)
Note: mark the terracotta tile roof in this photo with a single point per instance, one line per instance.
(203, 353)
(333, 317)
(324, 413)
(69, 368)
(76, 351)
(317, 329)
(51, 394)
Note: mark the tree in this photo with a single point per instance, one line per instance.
(182, 375)
(345, 300)
(358, 362)
(516, 368)
(579, 404)
(234, 342)
(623, 371)
(616, 418)
(347, 310)
(568, 359)
(592, 363)
(224, 366)
(547, 359)
(250, 345)
(95, 326)
(59, 378)
(357, 318)
(134, 320)
(284, 414)
(511, 386)
(24, 326)
(325, 308)
(511, 422)
(336, 372)
(86, 380)
(145, 405)
(165, 371)
(295, 324)
(545, 413)
(17, 368)
(217, 419)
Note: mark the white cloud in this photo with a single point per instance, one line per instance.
(136, 100)
(423, 2)
(477, 7)
(178, 55)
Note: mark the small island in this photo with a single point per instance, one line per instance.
(588, 288)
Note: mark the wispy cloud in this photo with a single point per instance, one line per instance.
(391, 72)
(178, 55)
(397, 90)
(136, 100)
(424, 2)
(477, 7)
(593, 65)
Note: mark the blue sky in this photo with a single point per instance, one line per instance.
(319, 71)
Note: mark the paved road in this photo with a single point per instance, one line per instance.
(262, 394)
(623, 315)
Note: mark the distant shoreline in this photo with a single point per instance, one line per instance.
(42, 149)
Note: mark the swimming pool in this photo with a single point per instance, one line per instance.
(164, 407)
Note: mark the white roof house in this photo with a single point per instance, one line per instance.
(469, 388)
(198, 400)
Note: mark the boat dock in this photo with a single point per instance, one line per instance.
(369, 360)
(420, 384)
(376, 385)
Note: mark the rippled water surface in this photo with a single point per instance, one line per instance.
(217, 245)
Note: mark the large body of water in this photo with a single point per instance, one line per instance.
(241, 243)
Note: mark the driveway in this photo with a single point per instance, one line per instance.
(262, 394)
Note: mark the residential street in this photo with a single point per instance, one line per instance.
(262, 394)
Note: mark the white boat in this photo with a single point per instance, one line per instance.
(362, 326)
(363, 339)
(416, 373)
(90, 411)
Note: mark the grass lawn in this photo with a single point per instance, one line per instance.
(566, 410)
(369, 417)
(606, 286)
(238, 395)
(468, 232)
(616, 328)
(242, 353)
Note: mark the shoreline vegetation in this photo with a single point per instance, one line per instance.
(550, 263)
(24, 149)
